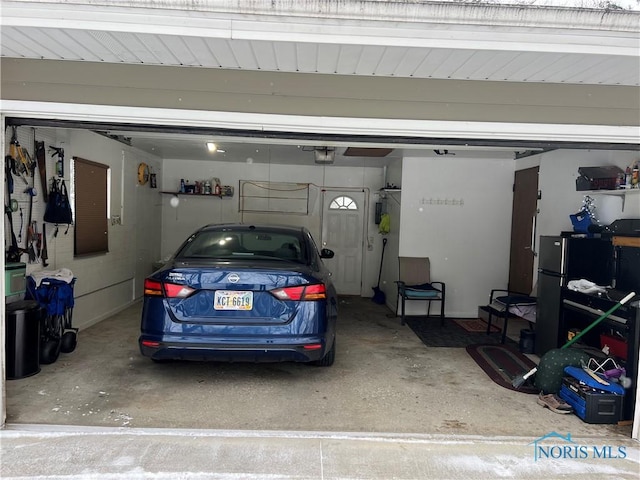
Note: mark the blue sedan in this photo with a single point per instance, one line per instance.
(242, 293)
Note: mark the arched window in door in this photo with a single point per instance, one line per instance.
(343, 203)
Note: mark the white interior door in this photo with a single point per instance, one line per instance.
(342, 231)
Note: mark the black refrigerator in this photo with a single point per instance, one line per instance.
(563, 258)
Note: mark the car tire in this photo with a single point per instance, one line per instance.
(328, 358)
(50, 351)
(69, 342)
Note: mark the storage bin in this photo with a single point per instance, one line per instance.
(618, 347)
(591, 405)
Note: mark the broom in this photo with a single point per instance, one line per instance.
(520, 379)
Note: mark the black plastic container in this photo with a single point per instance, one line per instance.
(22, 339)
(527, 341)
(590, 405)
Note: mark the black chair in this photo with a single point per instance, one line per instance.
(509, 303)
(414, 283)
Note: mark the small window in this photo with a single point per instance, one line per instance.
(343, 203)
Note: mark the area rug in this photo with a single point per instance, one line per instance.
(475, 325)
(503, 363)
(433, 334)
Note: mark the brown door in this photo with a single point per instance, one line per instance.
(525, 204)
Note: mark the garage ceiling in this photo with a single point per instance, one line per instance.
(463, 42)
(388, 39)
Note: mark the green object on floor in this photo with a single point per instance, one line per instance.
(551, 367)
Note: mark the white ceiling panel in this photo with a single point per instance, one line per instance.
(92, 49)
(327, 58)
(413, 39)
(390, 60)
(221, 50)
(306, 57)
(535, 66)
(242, 53)
(265, 55)
(65, 45)
(106, 48)
(484, 66)
(453, 62)
(409, 62)
(431, 61)
(519, 68)
(609, 72)
(286, 58)
(349, 59)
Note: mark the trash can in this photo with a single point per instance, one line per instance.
(22, 338)
(527, 341)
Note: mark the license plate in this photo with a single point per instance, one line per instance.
(233, 300)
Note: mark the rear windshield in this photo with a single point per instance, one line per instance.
(220, 244)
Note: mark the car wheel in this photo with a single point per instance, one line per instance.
(50, 351)
(69, 342)
(328, 358)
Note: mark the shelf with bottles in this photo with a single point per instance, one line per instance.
(202, 188)
(226, 191)
(222, 193)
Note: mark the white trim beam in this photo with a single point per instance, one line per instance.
(382, 127)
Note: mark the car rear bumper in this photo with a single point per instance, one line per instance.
(307, 351)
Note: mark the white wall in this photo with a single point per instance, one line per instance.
(457, 211)
(106, 283)
(195, 211)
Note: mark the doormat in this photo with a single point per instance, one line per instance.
(433, 334)
(503, 363)
(475, 325)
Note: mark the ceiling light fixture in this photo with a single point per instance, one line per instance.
(213, 148)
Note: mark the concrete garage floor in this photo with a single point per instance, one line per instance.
(386, 392)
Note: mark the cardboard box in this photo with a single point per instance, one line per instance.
(597, 178)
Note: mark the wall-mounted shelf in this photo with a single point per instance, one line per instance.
(622, 193)
(177, 194)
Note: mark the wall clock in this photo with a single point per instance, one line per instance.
(143, 173)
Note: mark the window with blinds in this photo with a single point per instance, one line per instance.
(90, 192)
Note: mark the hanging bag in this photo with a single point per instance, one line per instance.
(58, 208)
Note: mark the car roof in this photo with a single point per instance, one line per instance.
(239, 227)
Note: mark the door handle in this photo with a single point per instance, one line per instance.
(534, 228)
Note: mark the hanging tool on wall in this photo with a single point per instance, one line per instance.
(13, 252)
(17, 167)
(59, 152)
(45, 253)
(30, 233)
(41, 162)
(21, 225)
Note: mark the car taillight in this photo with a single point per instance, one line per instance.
(301, 292)
(168, 290)
(152, 287)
